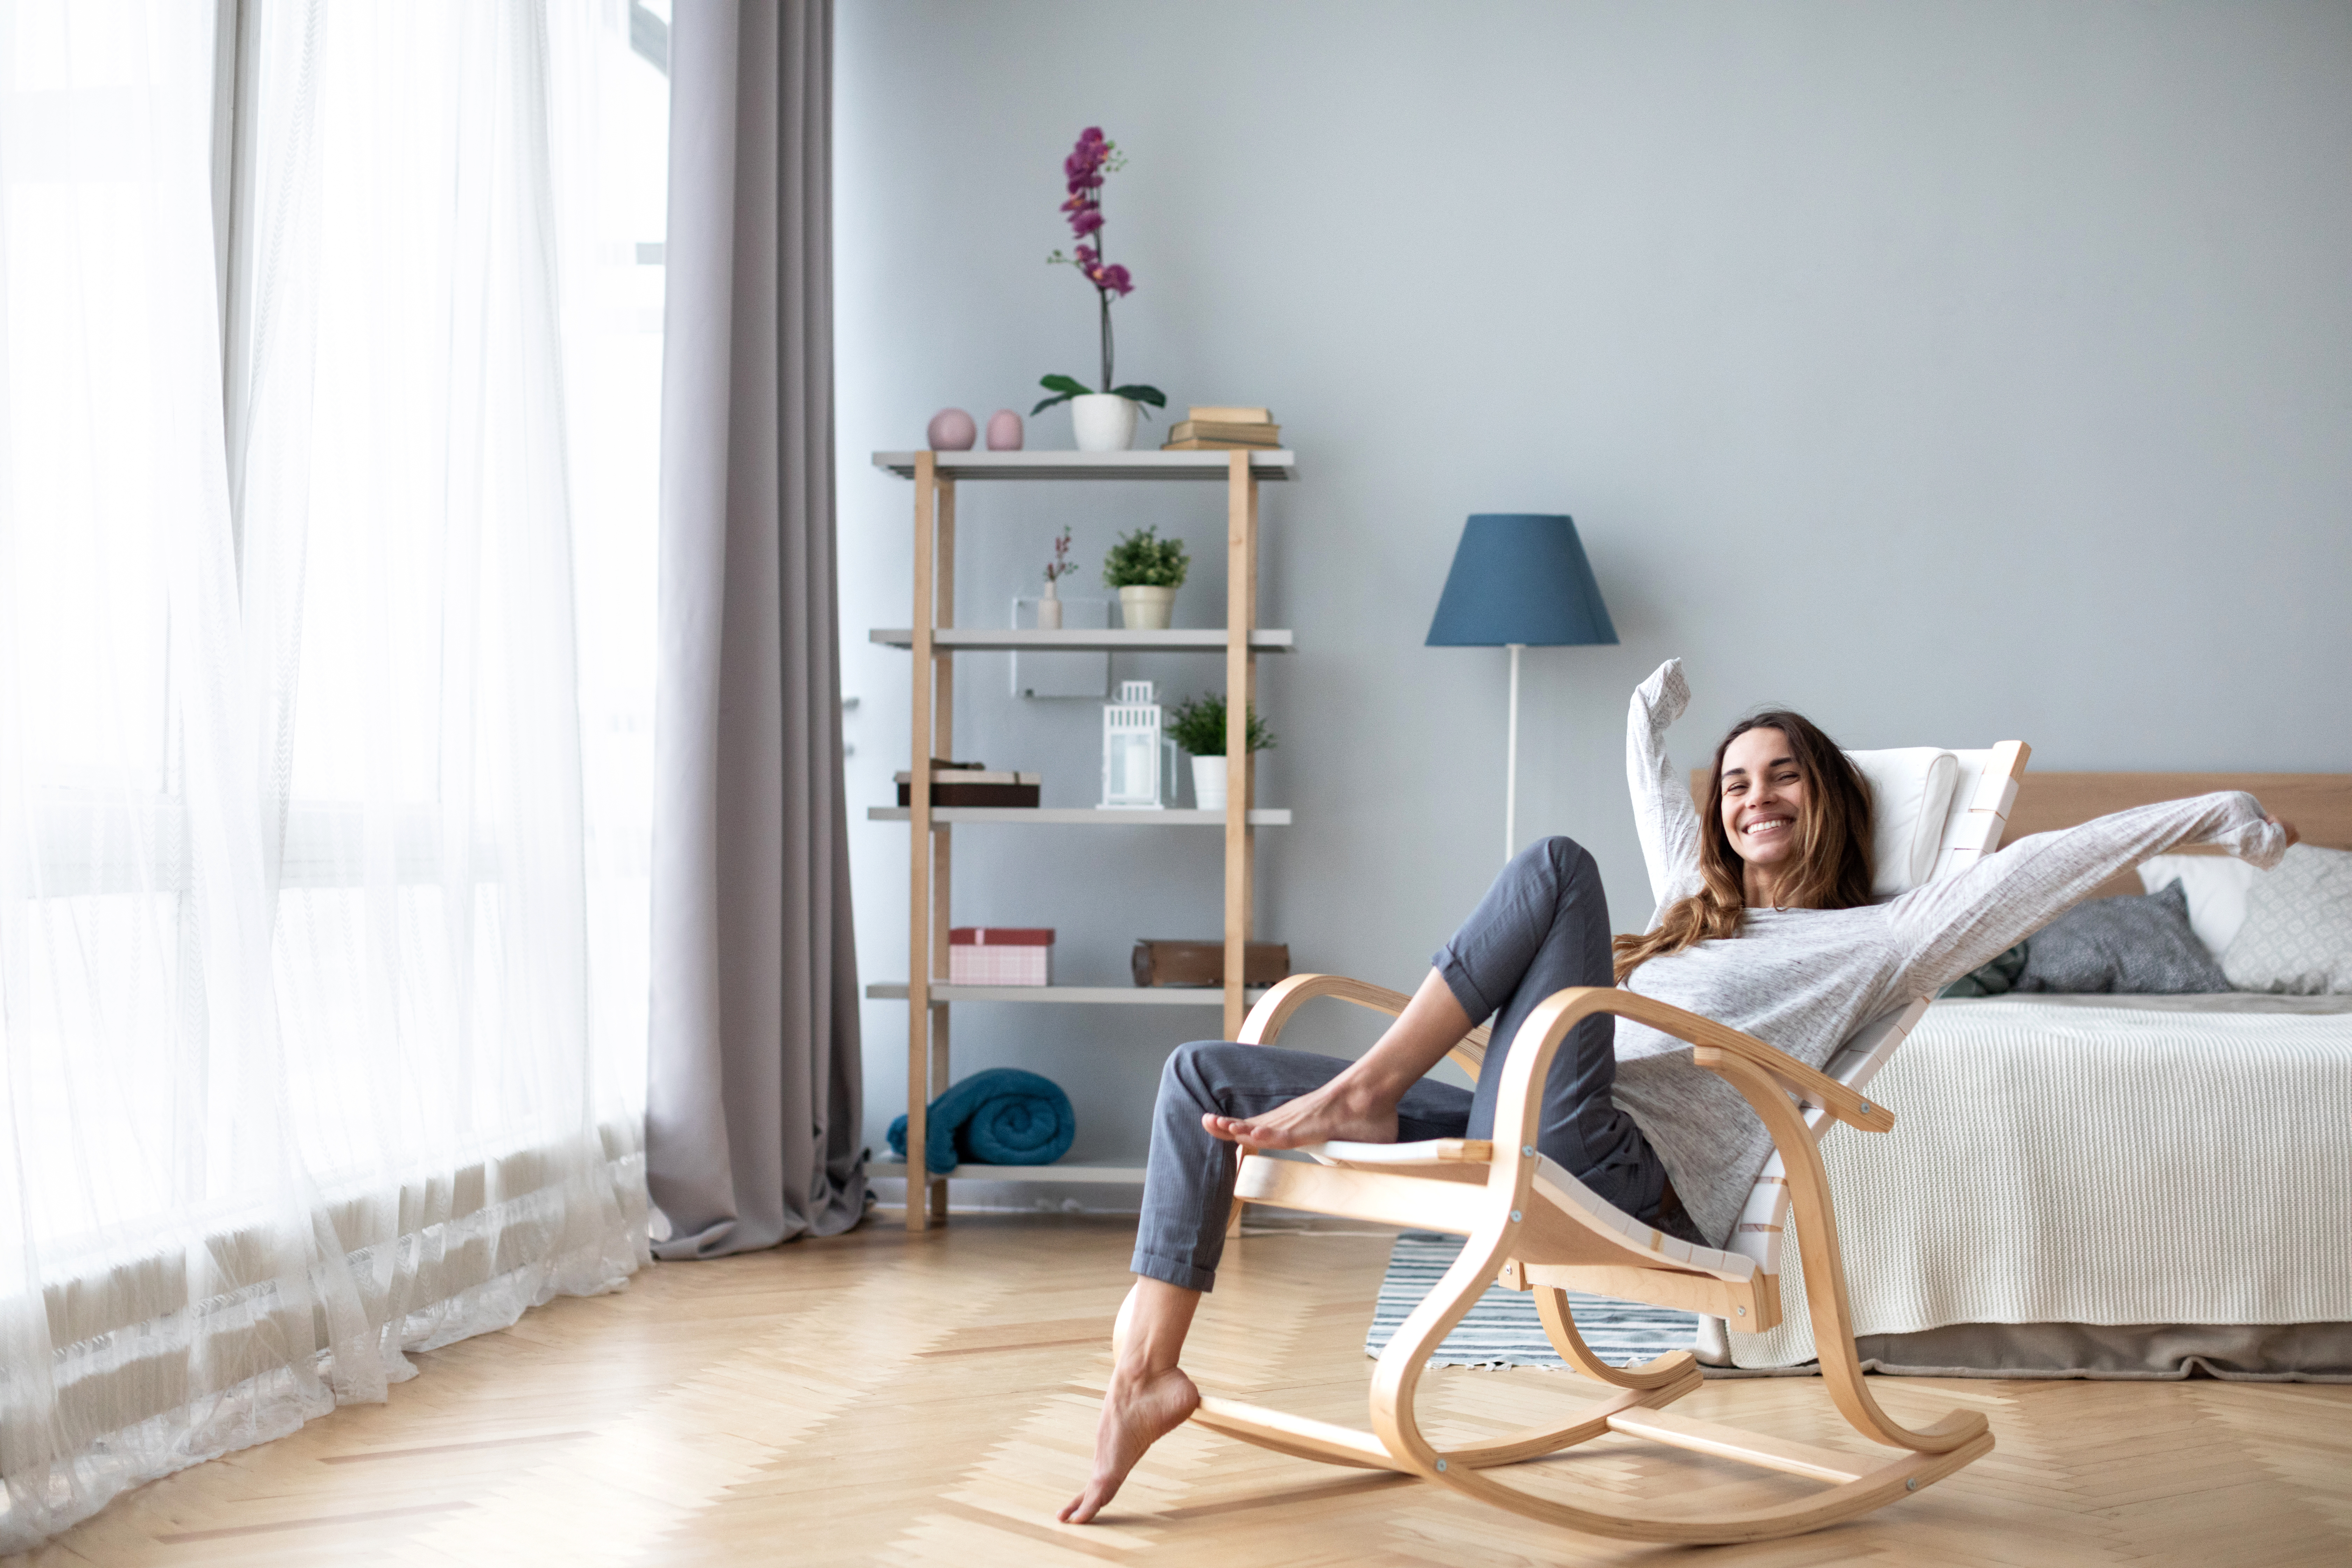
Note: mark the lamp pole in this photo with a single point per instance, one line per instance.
(1511, 764)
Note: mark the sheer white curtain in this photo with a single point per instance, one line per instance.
(322, 732)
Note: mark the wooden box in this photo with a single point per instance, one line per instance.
(1162, 962)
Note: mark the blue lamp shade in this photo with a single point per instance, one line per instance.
(1519, 577)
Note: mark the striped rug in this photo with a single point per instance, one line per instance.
(1503, 1330)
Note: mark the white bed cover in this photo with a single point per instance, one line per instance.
(2111, 1159)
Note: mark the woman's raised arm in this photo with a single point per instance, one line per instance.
(1950, 928)
(1663, 813)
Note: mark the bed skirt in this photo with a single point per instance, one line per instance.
(2235, 1353)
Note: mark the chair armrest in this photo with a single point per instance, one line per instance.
(1274, 1009)
(1287, 996)
(1811, 1085)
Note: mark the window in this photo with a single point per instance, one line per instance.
(328, 457)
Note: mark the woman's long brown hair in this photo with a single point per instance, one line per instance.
(1832, 868)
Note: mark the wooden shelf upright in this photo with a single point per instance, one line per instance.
(930, 858)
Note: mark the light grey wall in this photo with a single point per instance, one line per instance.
(1949, 372)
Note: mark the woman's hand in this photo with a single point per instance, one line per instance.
(1666, 694)
(2293, 837)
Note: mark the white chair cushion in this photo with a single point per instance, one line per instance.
(1911, 796)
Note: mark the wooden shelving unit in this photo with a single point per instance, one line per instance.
(934, 640)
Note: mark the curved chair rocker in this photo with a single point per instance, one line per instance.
(1532, 1226)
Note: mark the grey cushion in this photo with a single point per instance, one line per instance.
(2136, 945)
(2298, 932)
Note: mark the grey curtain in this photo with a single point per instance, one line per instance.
(753, 1101)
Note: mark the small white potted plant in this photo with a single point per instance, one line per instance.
(1147, 570)
(1103, 420)
(1197, 725)
(1049, 608)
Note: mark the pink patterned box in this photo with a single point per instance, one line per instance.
(1001, 955)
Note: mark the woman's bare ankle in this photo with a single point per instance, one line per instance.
(1362, 1108)
(1131, 1374)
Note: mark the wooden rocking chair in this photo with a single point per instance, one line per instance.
(1533, 1227)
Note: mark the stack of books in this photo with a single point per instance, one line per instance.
(1205, 429)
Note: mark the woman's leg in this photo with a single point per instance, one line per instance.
(1188, 1192)
(1541, 928)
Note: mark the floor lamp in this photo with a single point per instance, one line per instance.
(1519, 580)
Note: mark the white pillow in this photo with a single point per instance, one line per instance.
(2298, 932)
(2216, 886)
(1910, 794)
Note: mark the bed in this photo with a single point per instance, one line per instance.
(2104, 1186)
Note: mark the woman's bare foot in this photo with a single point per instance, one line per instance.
(1339, 1111)
(1359, 1106)
(1140, 1408)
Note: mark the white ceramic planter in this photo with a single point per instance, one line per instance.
(1209, 783)
(1146, 609)
(1104, 422)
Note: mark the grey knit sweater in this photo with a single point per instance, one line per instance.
(1805, 980)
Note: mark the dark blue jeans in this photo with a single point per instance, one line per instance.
(1541, 928)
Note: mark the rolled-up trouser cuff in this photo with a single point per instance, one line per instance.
(1466, 995)
(1172, 1271)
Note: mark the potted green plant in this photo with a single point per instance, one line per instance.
(1147, 570)
(1197, 724)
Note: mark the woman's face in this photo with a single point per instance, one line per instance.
(1763, 793)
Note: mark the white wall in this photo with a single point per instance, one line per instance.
(1947, 371)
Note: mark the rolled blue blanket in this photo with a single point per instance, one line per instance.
(1001, 1117)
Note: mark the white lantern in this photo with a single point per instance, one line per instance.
(1139, 761)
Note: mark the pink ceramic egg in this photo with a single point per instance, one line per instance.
(1004, 431)
(952, 431)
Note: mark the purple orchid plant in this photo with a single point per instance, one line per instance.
(1089, 163)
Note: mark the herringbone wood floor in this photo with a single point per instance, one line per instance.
(876, 1399)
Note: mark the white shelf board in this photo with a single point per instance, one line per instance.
(897, 1170)
(1116, 640)
(1080, 817)
(1265, 464)
(1086, 995)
